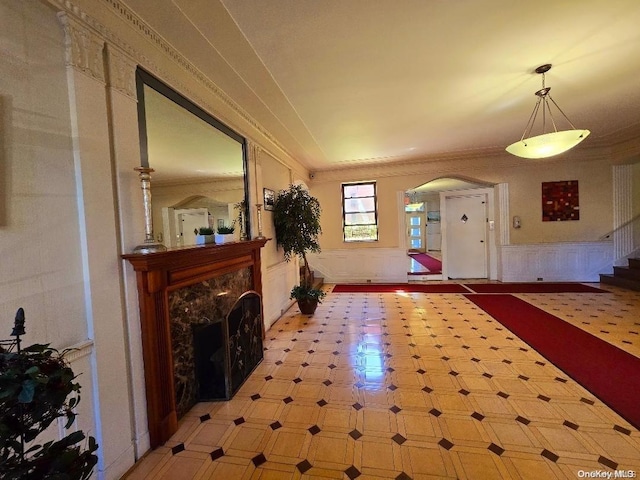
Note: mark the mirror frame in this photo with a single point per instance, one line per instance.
(145, 78)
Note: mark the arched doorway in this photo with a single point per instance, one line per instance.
(433, 232)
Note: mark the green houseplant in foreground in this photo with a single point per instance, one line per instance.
(296, 216)
(37, 387)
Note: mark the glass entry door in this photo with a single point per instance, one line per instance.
(415, 219)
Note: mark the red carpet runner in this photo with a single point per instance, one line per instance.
(432, 264)
(399, 287)
(532, 288)
(608, 372)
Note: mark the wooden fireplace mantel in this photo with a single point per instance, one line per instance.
(157, 274)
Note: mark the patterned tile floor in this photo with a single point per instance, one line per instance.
(400, 386)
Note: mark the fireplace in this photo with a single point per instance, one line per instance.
(225, 352)
(186, 289)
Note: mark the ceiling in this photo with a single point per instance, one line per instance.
(349, 82)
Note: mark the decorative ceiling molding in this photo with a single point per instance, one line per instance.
(121, 71)
(138, 25)
(83, 48)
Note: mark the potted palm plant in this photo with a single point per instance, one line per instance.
(296, 217)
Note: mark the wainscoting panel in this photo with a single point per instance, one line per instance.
(277, 282)
(360, 265)
(555, 262)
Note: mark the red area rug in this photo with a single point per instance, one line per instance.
(609, 373)
(399, 287)
(430, 263)
(532, 288)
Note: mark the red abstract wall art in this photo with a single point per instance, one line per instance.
(560, 201)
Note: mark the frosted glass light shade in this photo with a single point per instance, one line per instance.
(548, 144)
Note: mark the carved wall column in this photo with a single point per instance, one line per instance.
(622, 212)
(92, 138)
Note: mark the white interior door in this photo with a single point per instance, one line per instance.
(466, 236)
(188, 220)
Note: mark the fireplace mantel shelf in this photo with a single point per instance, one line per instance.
(157, 275)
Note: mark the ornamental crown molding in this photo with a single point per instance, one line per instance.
(137, 24)
(83, 48)
(121, 72)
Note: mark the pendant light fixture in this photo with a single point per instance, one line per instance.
(546, 144)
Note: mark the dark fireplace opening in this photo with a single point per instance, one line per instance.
(227, 351)
(209, 354)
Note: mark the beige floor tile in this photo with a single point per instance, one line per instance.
(425, 385)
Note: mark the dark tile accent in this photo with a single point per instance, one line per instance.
(608, 463)
(355, 434)
(421, 371)
(496, 449)
(571, 425)
(275, 425)
(487, 375)
(445, 358)
(255, 396)
(403, 476)
(305, 364)
(622, 430)
(287, 350)
(524, 421)
(427, 389)
(508, 362)
(311, 351)
(453, 373)
(205, 417)
(587, 401)
(359, 385)
(297, 380)
(259, 459)
(279, 362)
(327, 382)
(336, 352)
(216, 454)
(542, 364)
(544, 398)
(503, 395)
(446, 444)
(399, 439)
(549, 455)
(464, 392)
(474, 359)
(435, 412)
(477, 416)
(522, 377)
(494, 348)
(357, 406)
(287, 400)
(304, 466)
(177, 449)
(332, 366)
(395, 409)
(314, 430)
(416, 356)
(239, 421)
(352, 472)
(268, 377)
(392, 387)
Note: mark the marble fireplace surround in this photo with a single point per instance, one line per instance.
(162, 276)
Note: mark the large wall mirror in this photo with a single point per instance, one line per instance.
(200, 166)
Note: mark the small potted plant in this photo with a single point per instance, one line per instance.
(225, 234)
(296, 217)
(204, 235)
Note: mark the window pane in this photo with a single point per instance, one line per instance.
(414, 220)
(359, 218)
(360, 233)
(415, 232)
(416, 243)
(366, 190)
(359, 205)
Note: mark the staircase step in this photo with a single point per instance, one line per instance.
(627, 272)
(634, 263)
(622, 282)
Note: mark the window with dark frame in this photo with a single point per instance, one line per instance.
(359, 212)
